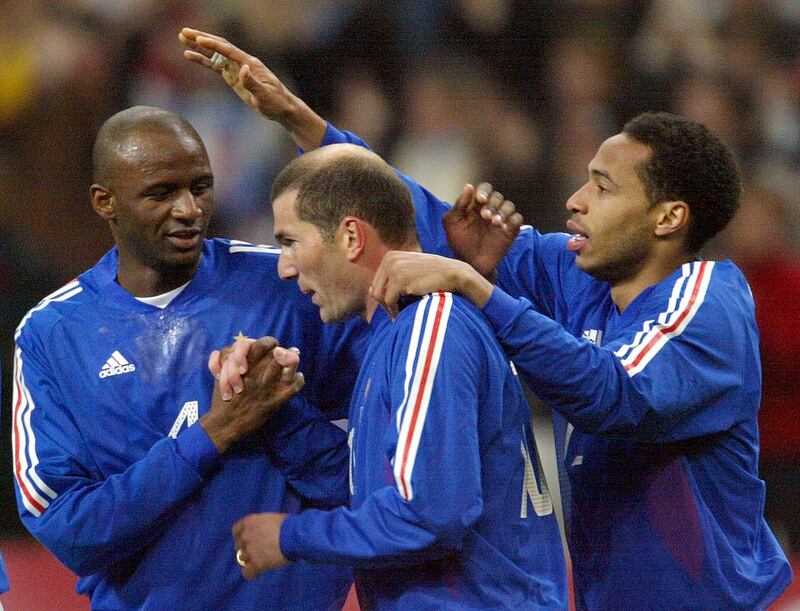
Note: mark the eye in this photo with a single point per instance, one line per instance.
(202, 186)
(160, 195)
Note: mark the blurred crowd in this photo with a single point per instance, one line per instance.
(517, 92)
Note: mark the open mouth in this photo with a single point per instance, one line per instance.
(577, 239)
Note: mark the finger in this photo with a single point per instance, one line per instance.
(229, 380)
(289, 361)
(214, 365)
(241, 354)
(287, 357)
(193, 46)
(503, 212)
(483, 192)
(513, 224)
(391, 296)
(496, 200)
(465, 200)
(198, 58)
(223, 47)
(299, 382)
(249, 571)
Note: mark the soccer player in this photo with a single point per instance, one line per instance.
(447, 504)
(126, 467)
(649, 351)
(651, 354)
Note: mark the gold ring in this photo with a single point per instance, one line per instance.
(239, 557)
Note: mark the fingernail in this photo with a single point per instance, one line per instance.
(226, 396)
(237, 388)
(241, 369)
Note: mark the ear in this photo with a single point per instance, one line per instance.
(103, 201)
(353, 236)
(671, 218)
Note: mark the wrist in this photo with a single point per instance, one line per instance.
(473, 286)
(216, 432)
(305, 126)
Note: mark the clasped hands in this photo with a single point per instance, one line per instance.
(257, 376)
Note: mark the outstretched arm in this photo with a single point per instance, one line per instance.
(481, 228)
(256, 85)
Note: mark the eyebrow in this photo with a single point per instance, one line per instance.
(594, 173)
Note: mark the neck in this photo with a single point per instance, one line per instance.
(373, 262)
(144, 281)
(625, 291)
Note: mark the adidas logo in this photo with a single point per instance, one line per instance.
(116, 365)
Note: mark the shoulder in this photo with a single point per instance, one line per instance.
(51, 310)
(442, 317)
(238, 254)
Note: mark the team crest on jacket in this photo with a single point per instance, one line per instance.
(116, 365)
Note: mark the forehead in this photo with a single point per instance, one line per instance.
(620, 156)
(285, 219)
(148, 153)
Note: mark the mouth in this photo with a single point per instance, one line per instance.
(309, 293)
(578, 237)
(185, 239)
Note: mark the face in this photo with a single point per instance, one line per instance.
(612, 220)
(321, 268)
(162, 197)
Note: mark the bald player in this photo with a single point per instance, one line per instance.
(127, 466)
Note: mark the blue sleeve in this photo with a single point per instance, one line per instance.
(4, 585)
(430, 210)
(665, 378)
(311, 453)
(87, 518)
(437, 493)
(539, 267)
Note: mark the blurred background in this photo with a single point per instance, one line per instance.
(517, 92)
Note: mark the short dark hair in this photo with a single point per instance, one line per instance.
(355, 182)
(691, 164)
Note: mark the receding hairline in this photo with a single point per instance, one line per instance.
(133, 124)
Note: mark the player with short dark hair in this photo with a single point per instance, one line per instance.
(651, 353)
(448, 508)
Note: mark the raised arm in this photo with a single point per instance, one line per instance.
(256, 85)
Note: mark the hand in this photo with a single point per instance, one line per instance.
(265, 389)
(257, 539)
(257, 86)
(481, 227)
(229, 364)
(413, 273)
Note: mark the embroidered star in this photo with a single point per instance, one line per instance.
(240, 336)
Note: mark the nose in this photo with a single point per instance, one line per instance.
(577, 201)
(286, 268)
(186, 207)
